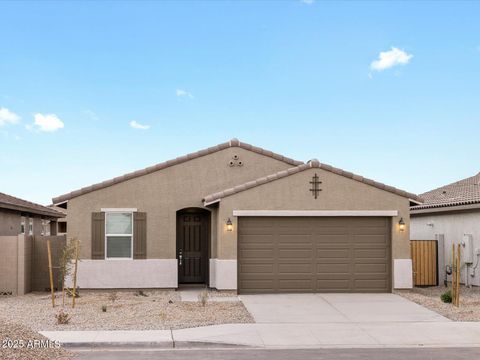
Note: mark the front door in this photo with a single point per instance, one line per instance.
(192, 246)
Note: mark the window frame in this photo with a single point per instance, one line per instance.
(121, 211)
(22, 225)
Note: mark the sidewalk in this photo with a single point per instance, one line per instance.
(325, 335)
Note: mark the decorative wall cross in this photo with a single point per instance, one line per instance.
(315, 186)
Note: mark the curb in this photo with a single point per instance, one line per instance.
(153, 344)
(114, 344)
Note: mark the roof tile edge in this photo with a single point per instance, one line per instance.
(179, 160)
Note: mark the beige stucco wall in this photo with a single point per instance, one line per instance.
(15, 264)
(8, 264)
(162, 193)
(292, 193)
(453, 226)
(9, 222)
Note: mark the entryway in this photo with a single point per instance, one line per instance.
(193, 234)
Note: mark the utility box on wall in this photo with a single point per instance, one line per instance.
(467, 243)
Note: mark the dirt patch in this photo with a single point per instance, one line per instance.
(429, 297)
(19, 342)
(125, 310)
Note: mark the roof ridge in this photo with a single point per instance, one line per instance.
(462, 192)
(314, 163)
(461, 181)
(178, 160)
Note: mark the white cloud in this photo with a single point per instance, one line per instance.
(391, 58)
(91, 114)
(137, 125)
(8, 117)
(47, 122)
(181, 92)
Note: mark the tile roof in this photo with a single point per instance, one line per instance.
(58, 209)
(463, 192)
(166, 164)
(14, 203)
(311, 164)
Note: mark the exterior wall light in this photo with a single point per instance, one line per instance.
(229, 225)
(401, 224)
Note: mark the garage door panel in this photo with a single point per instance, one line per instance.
(301, 268)
(333, 253)
(370, 253)
(303, 285)
(314, 255)
(294, 253)
(331, 285)
(257, 253)
(370, 284)
(333, 268)
(257, 268)
(370, 239)
(371, 268)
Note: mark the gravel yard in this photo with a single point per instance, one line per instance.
(429, 297)
(126, 310)
(22, 345)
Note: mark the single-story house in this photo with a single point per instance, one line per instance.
(236, 216)
(20, 222)
(451, 215)
(18, 216)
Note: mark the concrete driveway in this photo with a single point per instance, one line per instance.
(336, 308)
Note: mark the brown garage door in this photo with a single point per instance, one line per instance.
(314, 254)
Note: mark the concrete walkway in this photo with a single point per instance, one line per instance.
(304, 321)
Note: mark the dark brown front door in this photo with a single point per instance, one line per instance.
(192, 246)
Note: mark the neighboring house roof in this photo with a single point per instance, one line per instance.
(166, 164)
(463, 192)
(58, 209)
(212, 198)
(14, 203)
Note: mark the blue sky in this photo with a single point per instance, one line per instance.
(298, 78)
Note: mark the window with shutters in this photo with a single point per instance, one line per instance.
(119, 235)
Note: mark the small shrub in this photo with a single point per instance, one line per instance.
(113, 297)
(69, 292)
(62, 317)
(104, 308)
(140, 293)
(446, 297)
(203, 297)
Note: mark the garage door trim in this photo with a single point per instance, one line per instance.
(329, 213)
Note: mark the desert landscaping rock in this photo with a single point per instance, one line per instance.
(25, 349)
(156, 311)
(469, 309)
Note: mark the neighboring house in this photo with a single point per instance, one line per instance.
(21, 222)
(235, 216)
(19, 216)
(451, 214)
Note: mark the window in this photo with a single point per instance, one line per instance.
(45, 227)
(62, 227)
(30, 226)
(22, 226)
(118, 235)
